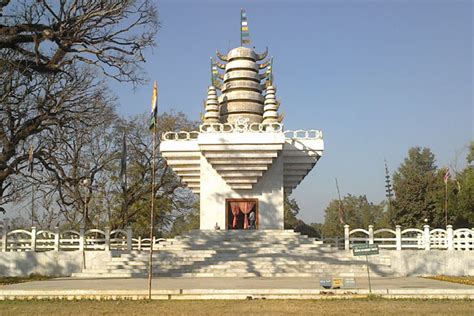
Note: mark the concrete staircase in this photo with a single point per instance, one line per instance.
(252, 253)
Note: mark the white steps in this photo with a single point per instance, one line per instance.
(255, 253)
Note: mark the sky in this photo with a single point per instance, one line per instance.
(377, 77)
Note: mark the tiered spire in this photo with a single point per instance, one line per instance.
(212, 106)
(271, 105)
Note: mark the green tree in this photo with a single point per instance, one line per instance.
(417, 184)
(461, 195)
(291, 209)
(358, 213)
(185, 223)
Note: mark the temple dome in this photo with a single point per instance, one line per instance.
(241, 90)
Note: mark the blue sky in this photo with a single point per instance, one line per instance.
(377, 77)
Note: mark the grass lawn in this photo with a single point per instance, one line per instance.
(253, 307)
(469, 280)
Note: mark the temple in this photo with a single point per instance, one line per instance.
(242, 161)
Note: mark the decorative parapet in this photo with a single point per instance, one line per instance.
(181, 135)
(234, 128)
(241, 128)
(302, 134)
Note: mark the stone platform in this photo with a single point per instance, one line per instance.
(231, 288)
(227, 253)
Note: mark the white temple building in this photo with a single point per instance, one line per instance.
(242, 161)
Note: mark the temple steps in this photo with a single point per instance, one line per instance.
(278, 253)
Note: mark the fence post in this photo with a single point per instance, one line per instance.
(139, 242)
(346, 237)
(81, 238)
(4, 237)
(153, 242)
(371, 234)
(129, 238)
(107, 239)
(426, 235)
(398, 237)
(33, 239)
(337, 242)
(56, 238)
(449, 237)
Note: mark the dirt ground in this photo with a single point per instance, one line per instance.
(252, 307)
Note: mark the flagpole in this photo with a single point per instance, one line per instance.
(153, 171)
(446, 202)
(341, 210)
(241, 27)
(152, 213)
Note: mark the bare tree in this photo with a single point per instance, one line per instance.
(50, 55)
(32, 107)
(74, 160)
(46, 36)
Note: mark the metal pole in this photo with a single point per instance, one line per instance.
(32, 205)
(152, 212)
(446, 204)
(341, 209)
(368, 273)
(84, 237)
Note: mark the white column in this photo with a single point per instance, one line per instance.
(81, 238)
(33, 239)
(449, 237)
(371, 234)
(129, 238)
(56, 238)
(426, 235)
(107, 239)
(346, 237)
(4, 237)
(398, 237)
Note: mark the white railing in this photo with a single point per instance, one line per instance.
(411, 238)
(70, 240)
(335, 242)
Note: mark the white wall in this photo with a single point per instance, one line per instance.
(268, 190)
(431, 262)
(50, 263)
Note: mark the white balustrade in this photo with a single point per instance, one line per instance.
(411, 238)
(20, 240)
(122, 239)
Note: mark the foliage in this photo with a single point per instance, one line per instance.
(461, 194)
(358, 211)
(291, 209)
(420, 192)
(468, 280)
(415, 185)
(13, 280)
(185, 223)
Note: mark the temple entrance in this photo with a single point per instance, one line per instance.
(242, 213)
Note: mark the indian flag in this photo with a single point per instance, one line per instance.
(154, 106)
(447, 175)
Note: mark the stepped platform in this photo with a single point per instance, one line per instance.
(252, 253)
